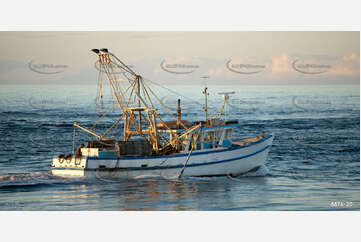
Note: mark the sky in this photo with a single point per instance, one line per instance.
(235, 58)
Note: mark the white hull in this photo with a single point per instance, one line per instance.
(211, 162)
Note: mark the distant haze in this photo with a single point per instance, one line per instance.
(235, 58)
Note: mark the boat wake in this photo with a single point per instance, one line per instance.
(260, 172)
(16, 180)
(159, 175)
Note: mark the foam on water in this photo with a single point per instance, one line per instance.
(29, 179)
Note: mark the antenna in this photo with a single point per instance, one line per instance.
(205, 108)
(225, 97)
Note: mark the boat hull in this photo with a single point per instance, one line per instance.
(213, 162)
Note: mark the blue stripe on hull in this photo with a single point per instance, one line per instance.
(180, 166)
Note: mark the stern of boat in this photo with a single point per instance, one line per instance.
(68, 165)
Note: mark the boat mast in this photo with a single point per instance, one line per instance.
(225, 97)
(179, 114)
(131, 101)
(139, 112)
(205, 108)
(137, 99)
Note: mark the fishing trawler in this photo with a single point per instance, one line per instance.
(150, 145)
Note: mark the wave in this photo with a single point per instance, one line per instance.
(262, 171)
(353, 149)
(19, 113)
(32, 179)
(56, 125)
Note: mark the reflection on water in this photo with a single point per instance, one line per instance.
(219, 193)
(76, 191)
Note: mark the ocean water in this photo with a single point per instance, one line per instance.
(314, 163)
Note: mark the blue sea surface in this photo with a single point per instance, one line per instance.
(314, 163)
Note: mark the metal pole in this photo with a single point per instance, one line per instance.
(179, 115)
(185, 164)
(74, 141)
(139, 113)
(205, 98)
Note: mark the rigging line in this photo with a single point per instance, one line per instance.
(125, 69)
(110, 72)
(105, 144)
(107, 72)
(114, 91)
(121, 116)
(122, 65)
(135, 125)
(103, 115)
(116, 130)
(100, 79)
(116, 79)
(146, 119)
(165, 106)
(150, 100)
(123, 72)
(174, 92)
(100, 89)
(129, 70)
(94, 125)
(160, 101)
(120, 87)
(151, 124)
(145, 95)
(131, 94)
(125, 92)
(158, 116)
(112, 108)
(145, 90)
(140, 99)
(130, 80)
(119, 66)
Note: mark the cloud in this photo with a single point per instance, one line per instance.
(278, 69)
(348, 65)
(352, 57)
(281, 64)
(343, 66)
